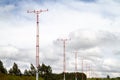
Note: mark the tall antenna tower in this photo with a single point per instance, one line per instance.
(82, 63)
(37, 12)
(64, 60)
(76, 65)
(89, 68)
(86, 65)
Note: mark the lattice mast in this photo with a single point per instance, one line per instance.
(76, 65)
(82, 66)
(64, 55)
(37, 12)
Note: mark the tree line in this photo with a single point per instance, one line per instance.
(45, 72)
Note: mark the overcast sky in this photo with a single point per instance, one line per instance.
(92, 26)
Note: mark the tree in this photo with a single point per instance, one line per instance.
(45, 71)
(26, 73)
(108, 77)
(41, 69)
(32, 70)
(2, 69)
(15, 70)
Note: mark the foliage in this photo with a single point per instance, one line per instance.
(108, 77)
(69, 76)
(43, 70)
(45, 73)
(15, 70)
(2, 69)
(26, 72)
(13, 77)
(32, 70)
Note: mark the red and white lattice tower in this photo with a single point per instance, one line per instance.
(76, 65)
(37, 12)
(64, 55)
(82, 59)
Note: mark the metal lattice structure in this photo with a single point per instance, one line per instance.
(37, 12)
(64, 55)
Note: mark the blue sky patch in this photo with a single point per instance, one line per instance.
(88, 1)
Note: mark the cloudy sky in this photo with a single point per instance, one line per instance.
(92, 26)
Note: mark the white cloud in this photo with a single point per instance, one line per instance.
(93, 29)
(111, 62)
